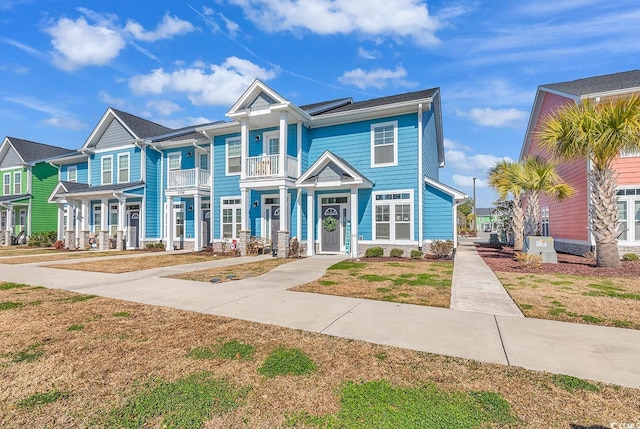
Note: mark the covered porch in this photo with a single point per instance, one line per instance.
(14, 219)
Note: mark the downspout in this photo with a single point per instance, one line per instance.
(211, 194)
(142, 233)
(420, 183)
(161, 193)
(455, 221)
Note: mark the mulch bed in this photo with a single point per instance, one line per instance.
(503, 259)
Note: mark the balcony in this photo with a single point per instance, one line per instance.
(193, 178)
(266, 166)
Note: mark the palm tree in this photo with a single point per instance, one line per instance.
(541, 177)
(507, 178)
(599, 133)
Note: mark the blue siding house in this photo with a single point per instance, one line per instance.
(338, 175)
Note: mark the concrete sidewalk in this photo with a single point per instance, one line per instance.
(592, 352)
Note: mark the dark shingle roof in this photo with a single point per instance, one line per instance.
(598, 84)
(32, 151)
(485, 211)
(141, 127)
(323, 106)
(74, 188)
(392, 99)
(10, 198)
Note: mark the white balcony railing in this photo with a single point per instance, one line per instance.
(192, 178)
(269, 166)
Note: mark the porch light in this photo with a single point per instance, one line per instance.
(257, 137)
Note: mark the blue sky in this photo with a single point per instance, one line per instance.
(63, 62)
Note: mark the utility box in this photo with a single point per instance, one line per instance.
(542, 246)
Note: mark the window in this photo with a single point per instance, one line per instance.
(234, 152)
(173, 161)
(384, 144)
(72, 174)
(7, 184)
(544, 222)
(17, 183)
(107, 170)
(97, 218)
(392, 216)
(204, 161)
(178, 220)
(629, 215)
(272, 143)
(113, 219)
(231, 217)
(630, 154)
(123, 168)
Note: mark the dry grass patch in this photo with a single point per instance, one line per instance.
(61, 255)
(7, 251)
(411, 282)
(234, 272)
(126, 265)
(595, 300)
(109, 364)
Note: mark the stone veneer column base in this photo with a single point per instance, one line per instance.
(103, 240)
(70, 240)
(119, 237)
(83, 240)
(283, 243)
(7, 238)
(243, 238)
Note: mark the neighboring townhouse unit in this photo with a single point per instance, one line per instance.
(339, 175)
(108, 190)
(568, 222)
(486, 219)
(27, 181)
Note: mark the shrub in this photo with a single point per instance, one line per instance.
(42, 239)
(150, 246)
(529, 260)
(59, 244)
(374, 252)
(396, 253)
(416, 254)
(630, 257)
(159, 245)
(442, 249)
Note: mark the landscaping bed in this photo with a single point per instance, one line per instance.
(71, 360)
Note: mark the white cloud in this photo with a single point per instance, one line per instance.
(169, 27)
(220, 85)
(232, 27)
(450, 144)
(14, 68)
(65, 123)
(499, 91)
(163, 107)
(109, 100)
(25, 48)
(465, 181)
(488, 117)
(478, 162)
(377, 78)
(58, 117)
(398, 18)
(77, 44)
(186, 121)
(368, 55)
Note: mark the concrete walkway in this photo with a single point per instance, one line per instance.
(592, 352)
(475, 287)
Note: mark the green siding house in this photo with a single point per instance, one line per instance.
(27, 182)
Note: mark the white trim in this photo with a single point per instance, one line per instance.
(75, 169)
(128, 156)
(5, 184)
(234, 207)
(421, 189)
(226, 156)
(392, 222)
(394, 124)
(171, 155)
(102, 171)
(265, 141)
(112, 149)
(19, 182)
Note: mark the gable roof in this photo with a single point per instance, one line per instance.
(628, 81)
(142, 128)
(457, 195)
(75, 189)
(383, 101)
(31, 151)
(485, 211)
(348, 174)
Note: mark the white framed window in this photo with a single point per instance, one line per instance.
(231, 217)
(72, 173)
(178, 221)
(113, 219)
(629, 215)
(17, 182)
(544, 221)
(123, 168)
(271, 145)
(97, 218)
(107, 170)
(384, 144)
(173, 161)
(7, 184)
(630, 154)
(393, 215)
(204, 161)
(233, 155)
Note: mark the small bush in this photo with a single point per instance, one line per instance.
(440, 248)
(529, 260)
(58, 244)
(374, 252)
(150, 246)
(42, 239)
(159, 245)
(630, 257)
(416, 254)
(396, 253)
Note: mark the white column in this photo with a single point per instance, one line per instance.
(284, 209)
(10, 218)
(122, 214)
(69, 208)
(78, 213)
(142, 223)
(60, 221)
(283, 149)
(299, 215)
(354, 222)
(244, 201)
(310, 222)
(299, 148)
(84, 216)
(197, 222)
(169, 227)
(244, 148)
(104, 214)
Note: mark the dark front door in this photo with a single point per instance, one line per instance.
(275, 225)
(206, 227)
(134, 222)
(331, 229)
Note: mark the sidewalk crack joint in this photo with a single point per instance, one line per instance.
(504, 350)
(340, 317)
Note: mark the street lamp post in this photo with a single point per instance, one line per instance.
(475, 216)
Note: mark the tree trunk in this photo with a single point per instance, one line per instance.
(603, 209)
(518, 224)
(532, 217)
